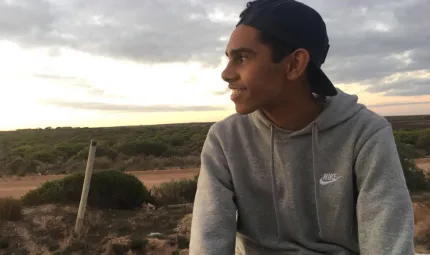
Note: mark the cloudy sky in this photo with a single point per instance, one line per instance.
(132, 62)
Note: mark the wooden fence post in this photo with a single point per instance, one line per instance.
(85, 187)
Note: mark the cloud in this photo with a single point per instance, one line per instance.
(397, 104)
(404, 86)
(144, 31)
(374, 40)
(99, 106)
(371, 40)
(221, 92)
(75, 82)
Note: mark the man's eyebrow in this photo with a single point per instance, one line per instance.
(240, 50)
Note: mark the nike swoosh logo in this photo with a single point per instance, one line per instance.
(322, 182)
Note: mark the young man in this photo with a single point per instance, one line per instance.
(306, 168)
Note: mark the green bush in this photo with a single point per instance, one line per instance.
(101, 151)
(424, 141)
(21, 167)
(175, 192)
(420, 139)
(109, 189)
(416, 179)
(137, 243)
(45, 156)
(4, 244)
(65, 148)
(408, 151)
(140, 147)
(10, 209)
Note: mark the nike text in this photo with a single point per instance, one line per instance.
(329, 178)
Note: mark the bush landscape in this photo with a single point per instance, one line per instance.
(64, 150)
(124, 216)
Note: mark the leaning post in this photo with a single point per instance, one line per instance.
(85, 188)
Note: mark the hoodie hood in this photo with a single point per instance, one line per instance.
(337, 109)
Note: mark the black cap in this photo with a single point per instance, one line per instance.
(299, 26)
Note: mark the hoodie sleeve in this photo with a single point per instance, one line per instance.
(213, 228)
(384, 207)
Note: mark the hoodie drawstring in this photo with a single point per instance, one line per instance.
(315, 171)
(273, 175)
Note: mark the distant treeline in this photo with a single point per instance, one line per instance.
(64, 150)
(409, 122)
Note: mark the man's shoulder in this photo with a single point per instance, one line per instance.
(367, 124)
(370, 121)
(231, 124)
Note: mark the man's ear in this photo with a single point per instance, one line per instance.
(297, 63)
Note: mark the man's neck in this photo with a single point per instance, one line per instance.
(294, 115)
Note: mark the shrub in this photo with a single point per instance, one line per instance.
(101, 151)
(45, 156)
(408, 151)
(10, 209)
(175, 192)
(424, 141)
(21, 167)
(137, 243)
(4, 244)
(416, 179)
(140, 147)
(66, 150)
(103, 163)
(418, 138)
(108, 189)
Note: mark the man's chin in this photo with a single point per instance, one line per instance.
(243, 109)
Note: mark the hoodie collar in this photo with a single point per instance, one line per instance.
(337, 109)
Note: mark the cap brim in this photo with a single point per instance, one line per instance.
(319, 82)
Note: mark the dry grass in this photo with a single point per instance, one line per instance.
(10, 209)
(422, 222)
(175, 192)
(48, 229)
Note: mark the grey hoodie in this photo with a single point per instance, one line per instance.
(334, 187)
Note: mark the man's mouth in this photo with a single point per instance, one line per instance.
(236, 92)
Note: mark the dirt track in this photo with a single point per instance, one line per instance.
(424, 164)
(18, 186)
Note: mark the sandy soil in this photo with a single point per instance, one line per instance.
(424, 164)
(18, 186)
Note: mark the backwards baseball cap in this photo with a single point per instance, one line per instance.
(299, 26)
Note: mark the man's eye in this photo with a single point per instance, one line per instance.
(241, 58)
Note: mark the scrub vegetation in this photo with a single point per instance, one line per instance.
(124, 216)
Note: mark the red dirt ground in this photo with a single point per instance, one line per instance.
(424, 164)
(18, 186)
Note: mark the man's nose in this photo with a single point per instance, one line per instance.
(229, 75)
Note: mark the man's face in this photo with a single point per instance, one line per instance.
(255, 80)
